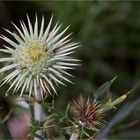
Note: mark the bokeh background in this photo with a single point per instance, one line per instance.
(110, 36)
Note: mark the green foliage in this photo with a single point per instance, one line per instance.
(66, 123)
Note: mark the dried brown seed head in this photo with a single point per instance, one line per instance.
(88, 113)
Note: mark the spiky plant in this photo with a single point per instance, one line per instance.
(88, 113)
(37, 58)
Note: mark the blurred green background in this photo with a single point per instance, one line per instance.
(110, 36)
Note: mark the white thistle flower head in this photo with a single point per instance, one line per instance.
(37, 59)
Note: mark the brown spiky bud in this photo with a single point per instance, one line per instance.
(88, 113)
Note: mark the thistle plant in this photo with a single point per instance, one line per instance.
(88, 114)
(38, 58)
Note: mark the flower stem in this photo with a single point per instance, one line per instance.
(37, 116)
(81, 133)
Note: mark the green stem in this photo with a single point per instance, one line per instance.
(81, 133)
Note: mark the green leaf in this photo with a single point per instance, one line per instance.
(112, 104)
(67, 110)
(103, 89)
(119, 116)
